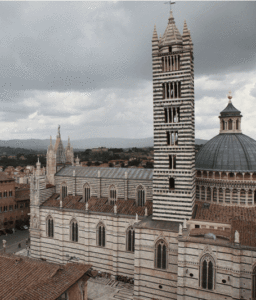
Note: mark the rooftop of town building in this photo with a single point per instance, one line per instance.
(30, 279)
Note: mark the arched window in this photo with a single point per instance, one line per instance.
(223, 125)
(230, 124)
(74, 231)
(237, 124)
(161, 255)
(112, 194)
(101, 235)
(207, 272)
(254, 283)
(171, 183)
(87, 192)
(130, 243)
(64, 191)
(140, 196)
(49, 227)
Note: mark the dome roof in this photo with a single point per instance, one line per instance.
(228, 152)
(230, 110)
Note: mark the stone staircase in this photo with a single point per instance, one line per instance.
(108, 289)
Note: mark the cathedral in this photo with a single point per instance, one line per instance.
(184, 230)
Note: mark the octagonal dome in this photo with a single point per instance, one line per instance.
(228, 152)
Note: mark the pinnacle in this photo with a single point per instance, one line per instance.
(185, 28)
(171, 16)
(155, 37)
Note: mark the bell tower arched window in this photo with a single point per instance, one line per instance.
(207, 272)
(161, 255)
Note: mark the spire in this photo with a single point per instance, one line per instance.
(50, 147)
(58, 136)
(155, 36)
(185, 29)
(171, 35)
(69, 141)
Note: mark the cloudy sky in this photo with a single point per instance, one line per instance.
(87, 66)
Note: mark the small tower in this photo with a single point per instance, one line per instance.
(69, 153)
(174, 132)
(230, 118)
(50, 163)
(77, 161)
(56, 158)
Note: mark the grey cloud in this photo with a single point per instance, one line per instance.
(71, 45)
(253, 91)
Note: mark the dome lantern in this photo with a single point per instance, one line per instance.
(230, 118)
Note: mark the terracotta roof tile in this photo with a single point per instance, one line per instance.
(125, 207)
(22, 195)
(29, 279)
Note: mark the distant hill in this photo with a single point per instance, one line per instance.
(37, 144)
(200, 141)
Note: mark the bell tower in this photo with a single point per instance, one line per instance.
(174, 127)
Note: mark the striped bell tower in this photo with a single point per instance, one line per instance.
(174, 126)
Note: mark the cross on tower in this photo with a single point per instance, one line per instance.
(170, 2)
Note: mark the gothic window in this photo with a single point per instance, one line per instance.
(171, 90)
(140, 196)
(207, 272)
(171, 183)
(230, 123)
(172, 114)
(172, 161)
(168, 138)
(172, 138)
(74, 231)
(130, 239)
(112, 194)
(10, 193)
(161, 255)
(64, 191)
(0, 195)
(49, 227)
(101, 235)
(5, 194)
(87, 192)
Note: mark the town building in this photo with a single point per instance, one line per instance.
(30, 279)
(184, 230)
(14, 203)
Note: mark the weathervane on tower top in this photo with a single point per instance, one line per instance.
(170, 2)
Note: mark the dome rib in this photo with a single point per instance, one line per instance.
(246, 154)
(228, 152)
